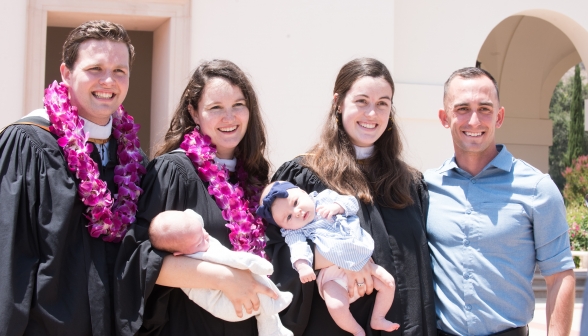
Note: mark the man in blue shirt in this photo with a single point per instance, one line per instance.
(492, 218)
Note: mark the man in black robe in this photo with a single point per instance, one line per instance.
(56, 279)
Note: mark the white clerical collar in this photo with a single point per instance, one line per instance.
(231, 164)
(362, 153)
(96, 131)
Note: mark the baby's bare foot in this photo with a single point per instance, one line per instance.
(380, 323)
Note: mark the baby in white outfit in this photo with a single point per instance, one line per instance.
(183, 233)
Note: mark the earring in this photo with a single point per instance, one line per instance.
(197, 127)
(391, 123)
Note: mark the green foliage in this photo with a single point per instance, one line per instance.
(573, 180)
(576, 146)
(576, 182)
(577, 212)
(559, 113)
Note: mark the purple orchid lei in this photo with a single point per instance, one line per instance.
(237, 205)
(109, 218)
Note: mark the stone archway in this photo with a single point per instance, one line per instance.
(528, 54)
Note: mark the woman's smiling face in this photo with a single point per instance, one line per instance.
(222, 115)
(366, 110)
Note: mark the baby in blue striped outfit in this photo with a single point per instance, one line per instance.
(330, 221)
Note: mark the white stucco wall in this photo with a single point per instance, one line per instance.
(13, 36)
(293, 51)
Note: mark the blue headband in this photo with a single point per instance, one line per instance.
(279, 189)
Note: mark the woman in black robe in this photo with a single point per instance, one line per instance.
(359, 154)
(220, 102)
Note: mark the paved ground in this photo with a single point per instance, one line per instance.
(538, 327)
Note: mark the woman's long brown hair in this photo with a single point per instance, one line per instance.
(383, 176)
(251, 149)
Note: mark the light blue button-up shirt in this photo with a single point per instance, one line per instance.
(486, 233)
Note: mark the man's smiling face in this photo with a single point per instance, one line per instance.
(99, 80)
(473, 113)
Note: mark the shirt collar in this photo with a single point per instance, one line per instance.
(362, 153)
(96, 131)
(503, 161)
(231, 164)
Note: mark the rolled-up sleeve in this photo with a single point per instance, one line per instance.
(550, 229)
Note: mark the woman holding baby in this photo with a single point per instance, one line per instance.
(217, 136)
(359, 153)
(215, 142)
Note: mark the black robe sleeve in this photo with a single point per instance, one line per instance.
(400, 247)
(22, 170)
(56, 279)
(144, 308)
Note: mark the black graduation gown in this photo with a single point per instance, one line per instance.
(171, 183)
(56, 279)
(400, 247)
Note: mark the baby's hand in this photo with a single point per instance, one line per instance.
(328, 211)
(305, 271)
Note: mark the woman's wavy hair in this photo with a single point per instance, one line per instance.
(383, 176)
(251, 150)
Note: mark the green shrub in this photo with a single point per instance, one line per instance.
(576, 182)
(578, 222)
(574, 192)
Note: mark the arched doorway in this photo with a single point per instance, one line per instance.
(528, 54)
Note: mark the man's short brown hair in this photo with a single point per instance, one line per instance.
(98, 30)
(469, 72)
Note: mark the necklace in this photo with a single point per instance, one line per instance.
(237, 204)
(108, 218)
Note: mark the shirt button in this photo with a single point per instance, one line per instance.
(466, 242)
(473, 181)
(468, 211)
(468, 307)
